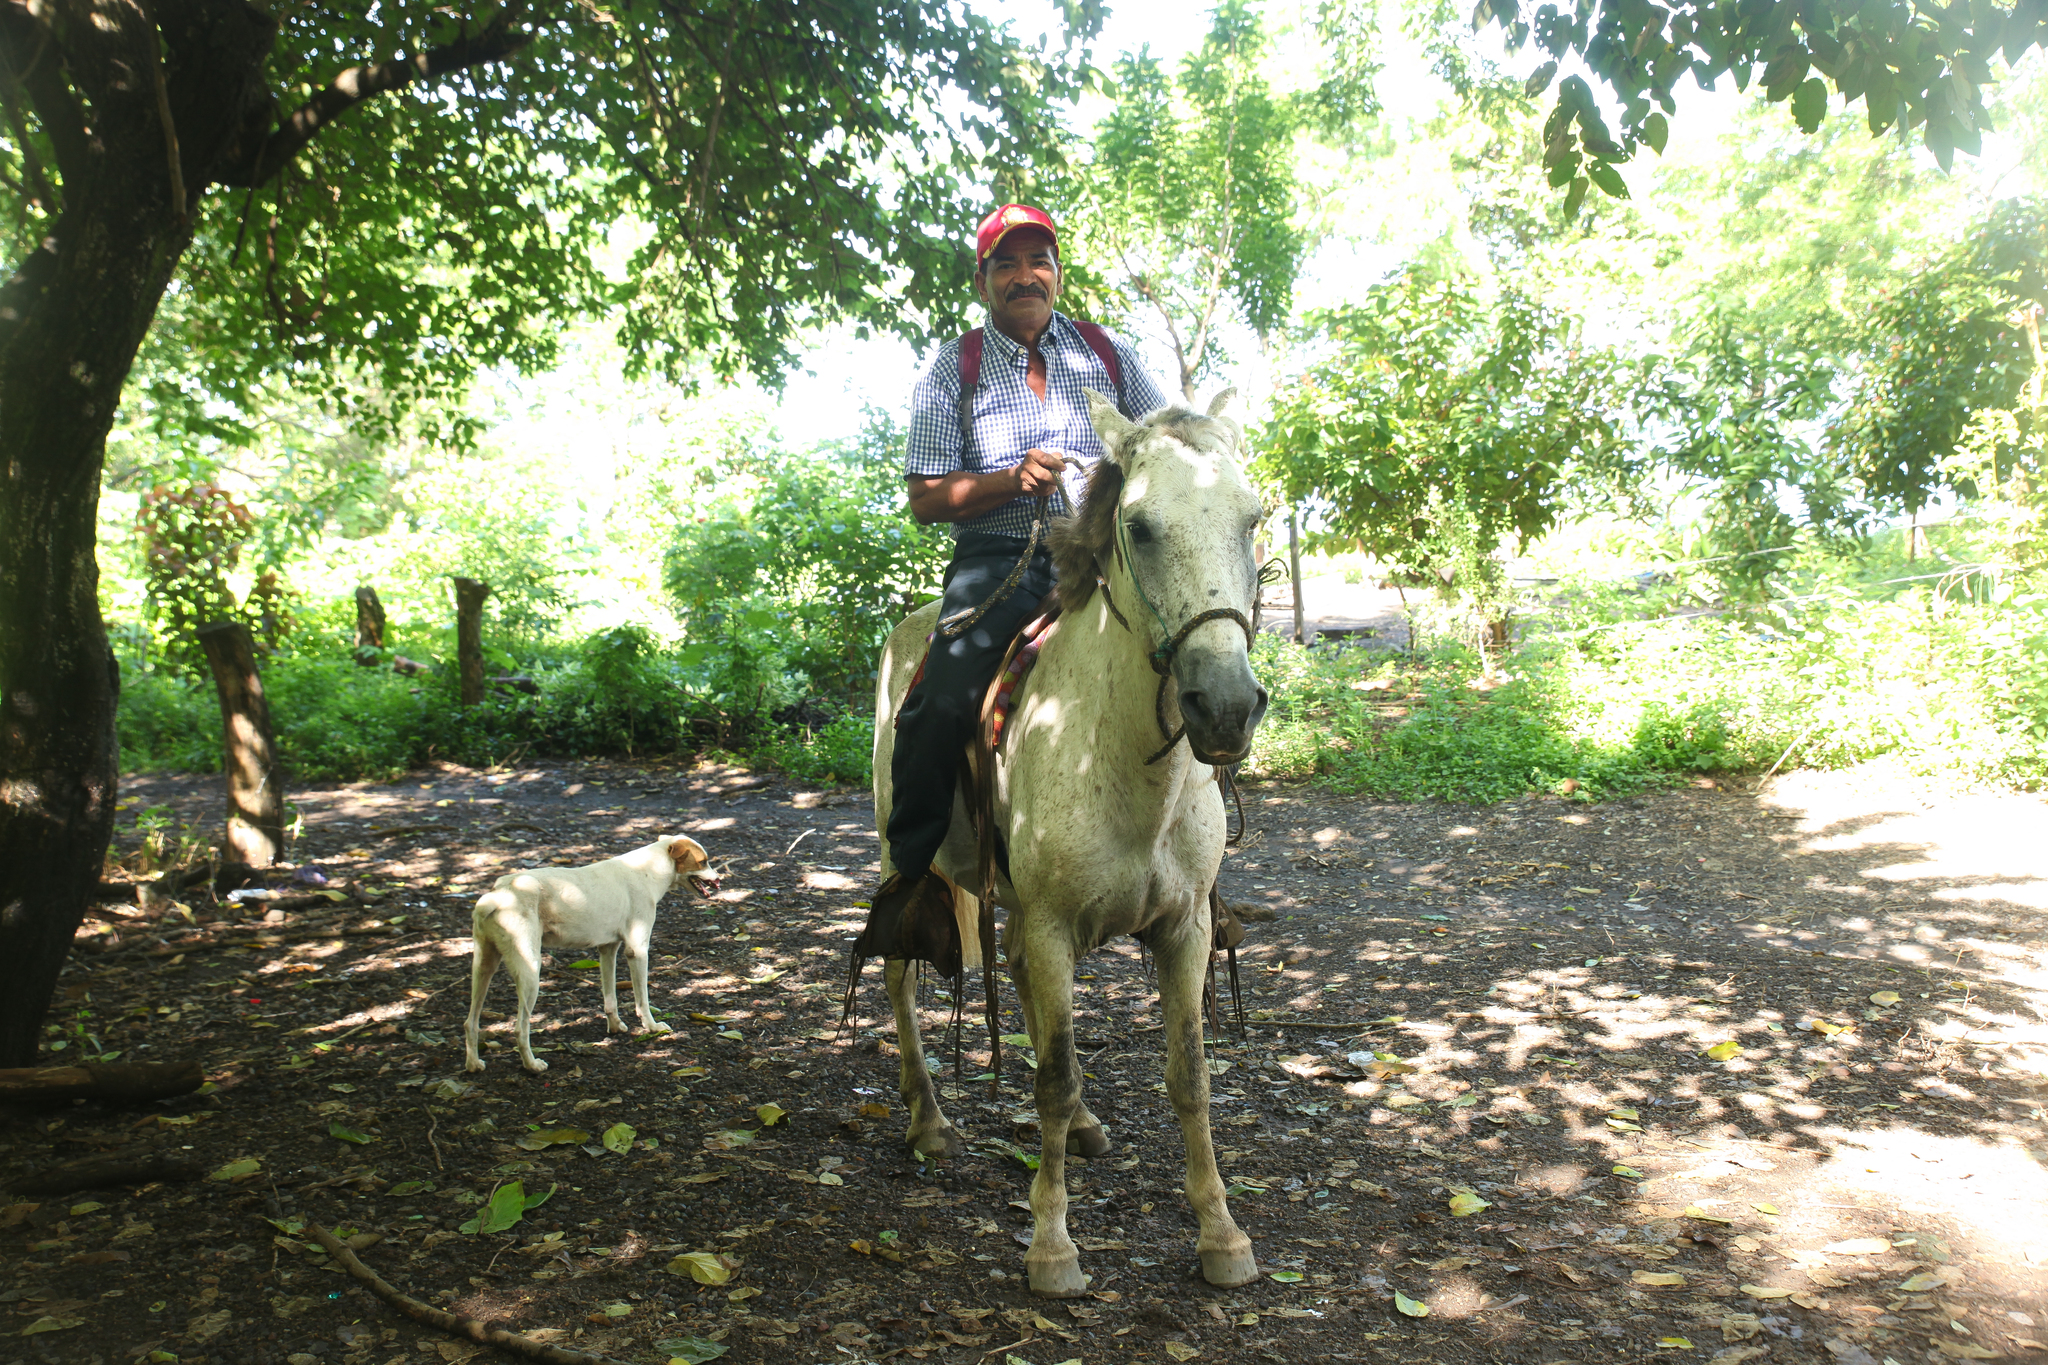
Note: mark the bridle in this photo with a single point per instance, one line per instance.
(1161, 658)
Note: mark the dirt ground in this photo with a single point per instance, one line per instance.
(1483, 1081)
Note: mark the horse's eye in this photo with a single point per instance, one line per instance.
(1141, 534)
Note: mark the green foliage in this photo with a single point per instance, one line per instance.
(819, 551)
(1944, 689)
(1183, 205)
(437, 231)
(1916, 65)
(192, 540)
(841, 751)
(1427, 391)
(1948, 343)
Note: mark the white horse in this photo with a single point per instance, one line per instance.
(1104, 835)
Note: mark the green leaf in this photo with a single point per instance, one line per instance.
(1574, 197)
(348, 1134)
(619, 1138)
(508, 1204)
(1656, 132)
(551, 1137)
(1414, 1308)
(1285, 1276)
(690, 1350)
(410, 1187)
(585, 962)
(1539, 80)
(1607, 178)
(1810, 104)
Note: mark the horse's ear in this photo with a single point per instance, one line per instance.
(1112, 426)
(1222, 401)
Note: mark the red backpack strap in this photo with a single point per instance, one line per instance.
(1099, 342)
(970, 378)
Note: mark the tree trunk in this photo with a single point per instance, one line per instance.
(255, 786)
(369, 624)
(469, 636)
(71, 318)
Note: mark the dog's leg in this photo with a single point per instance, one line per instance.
(929, 1133)
(608, 978)
(522, 959)
(636, 963)
(483, 967)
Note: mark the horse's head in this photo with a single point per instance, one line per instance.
(1168, 523)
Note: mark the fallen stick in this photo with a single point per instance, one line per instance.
(122, 1082)
(106, 1172)
(445, 1321)
(271, 940)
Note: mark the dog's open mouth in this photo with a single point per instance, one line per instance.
(705, 884)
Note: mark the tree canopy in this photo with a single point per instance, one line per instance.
(1913, 64)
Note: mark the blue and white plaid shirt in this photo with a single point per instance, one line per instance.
(1009, 418)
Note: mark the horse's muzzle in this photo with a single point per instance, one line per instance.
(1221, 704)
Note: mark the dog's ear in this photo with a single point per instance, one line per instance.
(687, 854)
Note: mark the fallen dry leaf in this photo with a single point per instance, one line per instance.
(702, 1266)
(1658, 1279)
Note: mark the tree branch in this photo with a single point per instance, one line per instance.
(56, 107)
(37, 183)
(359, 83)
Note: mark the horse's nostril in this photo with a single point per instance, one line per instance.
(1196, 703)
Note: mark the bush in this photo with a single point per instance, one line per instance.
(1945, 689)
(840, 751)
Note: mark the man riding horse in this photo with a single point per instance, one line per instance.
(999, 435)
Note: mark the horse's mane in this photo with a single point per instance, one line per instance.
(1079, 541)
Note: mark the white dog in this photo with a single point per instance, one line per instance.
(601, 906)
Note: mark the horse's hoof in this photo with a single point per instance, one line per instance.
(616, 1026)
(656, 1026)
(536, 1065)
(473, 1064)
(940, 1143)
(1228, 1269)
(1089, 1142)
(1058, 1280)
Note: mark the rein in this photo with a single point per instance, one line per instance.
(1161, 658)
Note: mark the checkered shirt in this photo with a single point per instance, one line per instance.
(1009, 419)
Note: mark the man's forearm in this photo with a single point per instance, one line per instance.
(961, 495)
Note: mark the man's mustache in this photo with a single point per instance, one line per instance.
(1026, 291)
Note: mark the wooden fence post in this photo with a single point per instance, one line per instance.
(469, 636)
(255, 787)
(369, 624)
(1294, 577)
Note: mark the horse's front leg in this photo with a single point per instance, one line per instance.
(1085, 1134)
(929, 1132)
(1181, 950)
(1053, 1263)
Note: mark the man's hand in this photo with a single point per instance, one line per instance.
(1039, 475)
(961, 496)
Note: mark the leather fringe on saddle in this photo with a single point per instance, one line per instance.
(919, 922)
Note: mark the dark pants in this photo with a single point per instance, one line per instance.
(939, 716)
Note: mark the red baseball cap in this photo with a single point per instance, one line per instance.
(1006, 220)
